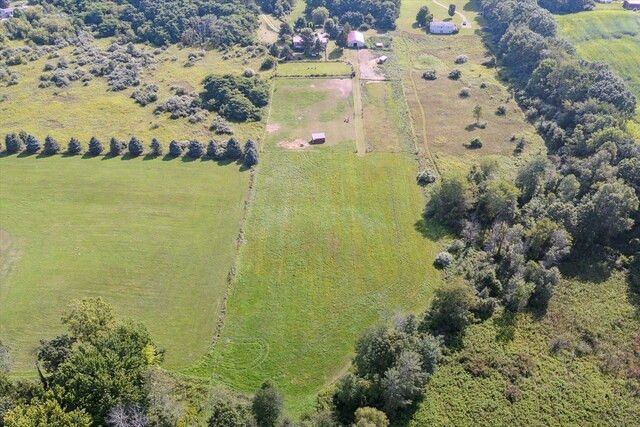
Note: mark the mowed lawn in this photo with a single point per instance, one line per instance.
(333, 245)
(154, 238)
(611, 36)
(313, 68)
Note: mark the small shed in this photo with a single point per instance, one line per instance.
(442, 27)
(631, 4)
(379, 45)
(382, 59)
(297, 42)
(318, 138)
(355, 39)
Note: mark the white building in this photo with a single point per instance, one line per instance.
(442, 28)
(6, 13)
(355, 39)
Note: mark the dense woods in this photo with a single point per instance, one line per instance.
(374, 13)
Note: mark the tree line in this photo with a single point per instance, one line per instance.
(372, 13)
(231, 150)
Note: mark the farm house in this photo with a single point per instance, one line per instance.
(318, 138)
(355, 39)
(631, 4)
(442, 28)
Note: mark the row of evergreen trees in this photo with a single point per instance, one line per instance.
(231, 150)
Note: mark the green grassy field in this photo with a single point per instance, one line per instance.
(409, 8)
(332, 246)
(301, 107)
(154, 238)
(564, 388)
(319, 68)
(92, 110)
(611, 36)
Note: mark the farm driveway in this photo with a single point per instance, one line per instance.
(464, 18)
(361, 144)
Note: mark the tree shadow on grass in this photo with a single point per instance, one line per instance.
(430, 229)
(593, 268)
(149, 156)
(168, 157)
(506, 326)
(109, 156)
(26, 154)
(68, 154)
(88, 155)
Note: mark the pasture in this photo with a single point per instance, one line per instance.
(154, 238)
(470, 9)
(334, 242)
(313, 69)
(611, 36)
(85, 111)
(301, 107)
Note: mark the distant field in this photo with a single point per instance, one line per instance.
(319, 68)
(562, 388)
(86, 111)
(332, 246)
(155, 238)
(409, 9)
(611, 36)
(301, 107)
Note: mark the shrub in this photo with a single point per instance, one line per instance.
(429, 75)
(268, 63)
(465, 92)
(248, 72)
(116, 147)
(135, 147)
(51, 146)
(474, 143)
(426, 177)
(455, 74)
(175, 148)
(461, 59)
(559, 343)
(146, 95)
(32, 145)
(483, 85)
(220, 127)
(195, 149)
(443, 260)
(513, 393)
(13, 143)
(501, 110)
(95, 146)
(156, 147)
(233, 150)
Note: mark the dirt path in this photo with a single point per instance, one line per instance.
(464, 18)
(423, 114)
(361, 144)
(267, 20)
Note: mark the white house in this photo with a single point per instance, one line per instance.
(355, 39)
(605, 1)
(442, 28)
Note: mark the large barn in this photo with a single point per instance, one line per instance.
(355, 39)
(441, 27)
(631, 4)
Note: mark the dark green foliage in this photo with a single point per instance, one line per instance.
(567, 6)
(74, 146)
(53, 353)
(250, 154)
(95, 146)
(175, 148)
(13, 143)
(429, 75)
(213, 151)
(381, 14)
(450, 202)
(455, 74)
(268, 63)
(135, 147)
(423, 17)
(51, 146)
(452, 9)
(116, 147)
(267, 405)
(475, 143)
(233, 150)
(450, 311)
(195, 149)
(229, 410)
(32, 145)
(426, 177)
(156, 147)
(236, 97)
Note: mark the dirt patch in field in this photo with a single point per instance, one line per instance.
(369, 69)
(5, 241)
(273, 128)
(341, 85)
(54, 124)
(298, 144)
(183, 84)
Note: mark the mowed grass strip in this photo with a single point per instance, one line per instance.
(313, 68)
(332, 246)
(611, 36)
(154, 238)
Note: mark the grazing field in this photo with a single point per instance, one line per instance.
(301, 107)
(386, 118)
(313, 68)
(409, 8)
(611, 36)
(334, 243)
(154, 238)
(83, 112)
(597, 319)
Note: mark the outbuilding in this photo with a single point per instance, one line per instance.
(382, 59)
(297, 42)
(379, 45)
(6, 13)
(631, 4)
(355, 39)
(318, 138)
(441, 27)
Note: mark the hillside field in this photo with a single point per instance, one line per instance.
(154, 238)
(611, 36)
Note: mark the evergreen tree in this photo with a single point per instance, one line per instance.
(212, 149)
(175, 148)
(452, 9)
(250, 154)
(135, 147)
(267, 405)
(32, 145)
(13, 143)
(156, 147)
(116, 147)
(95, 146)
(74, 146)
(233, 150)
(51, 146)
(195, 149)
